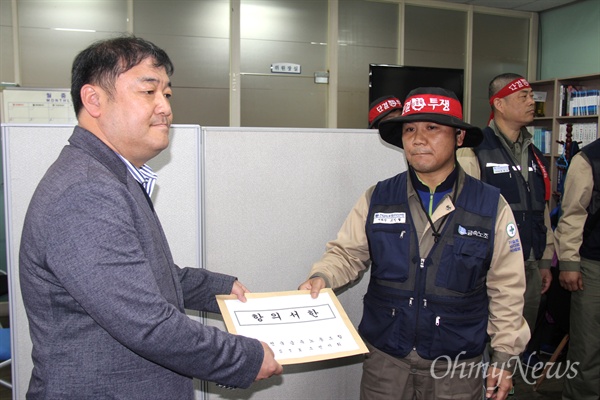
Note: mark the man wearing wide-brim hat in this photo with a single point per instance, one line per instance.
(383, 108)
(446, 265)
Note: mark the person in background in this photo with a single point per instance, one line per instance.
(105, 301)
(508, 160)
(383, 108)
(446, 265)
(578, 241)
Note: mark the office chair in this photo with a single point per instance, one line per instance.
(5, 351)
(5, 356)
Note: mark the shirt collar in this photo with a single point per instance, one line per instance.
(444, 186)
(144, 175)
(524, 136)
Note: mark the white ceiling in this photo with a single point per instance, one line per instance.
(519, 5)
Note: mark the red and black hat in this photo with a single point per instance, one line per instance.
(431, 104)
(382, 107)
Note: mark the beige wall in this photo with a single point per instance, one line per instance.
(197, 36)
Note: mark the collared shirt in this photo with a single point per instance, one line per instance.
(145, 176)
(431, 198)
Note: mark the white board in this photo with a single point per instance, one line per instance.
(37, 106)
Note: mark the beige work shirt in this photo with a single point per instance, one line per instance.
(468, 161)
(347, 257)
(578, 187)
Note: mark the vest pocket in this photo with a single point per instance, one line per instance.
(455, 333)
(504, 178)
(387, 324)
(389, 247)
(463, 265)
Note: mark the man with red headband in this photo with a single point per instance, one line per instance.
(508, 160)
(446, 265)
(383, 108)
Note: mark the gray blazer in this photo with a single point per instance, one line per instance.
(105, 301)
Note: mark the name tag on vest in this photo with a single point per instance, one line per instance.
(501, 169)
(389, 218)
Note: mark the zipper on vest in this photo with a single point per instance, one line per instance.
(437, 320)
(430, 208)
(418, 284)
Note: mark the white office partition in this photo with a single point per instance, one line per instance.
(271, 200)
(28, 151)
(257, 203)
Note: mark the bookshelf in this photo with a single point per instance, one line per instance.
(581, 92)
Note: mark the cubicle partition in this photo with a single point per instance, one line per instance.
(257, 203)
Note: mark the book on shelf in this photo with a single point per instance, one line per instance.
(540, 103)
(578, 101)
(562, 109)
(542, 138)
(566, 95)
(586, 102)
(583, 133)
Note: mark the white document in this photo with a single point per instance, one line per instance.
(297, 327)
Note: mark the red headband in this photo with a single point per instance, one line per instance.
(386, 105)
(514, 86)
(432, 104)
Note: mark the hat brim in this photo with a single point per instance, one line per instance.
(374, 122)
(390, 130)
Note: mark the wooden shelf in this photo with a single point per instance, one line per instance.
(553, 119)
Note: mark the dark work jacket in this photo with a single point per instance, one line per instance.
(526, 199)
(590, 247)
(435, 303)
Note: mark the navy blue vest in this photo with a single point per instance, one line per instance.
(435, 303)
(591, 230)
(526, 199)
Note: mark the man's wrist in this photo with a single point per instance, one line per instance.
(320, 275)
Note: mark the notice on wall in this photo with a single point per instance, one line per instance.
(37, 106)
(297, 327)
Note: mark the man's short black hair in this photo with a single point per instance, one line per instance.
(103, 61)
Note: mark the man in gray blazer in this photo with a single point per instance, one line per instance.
(104, 299)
